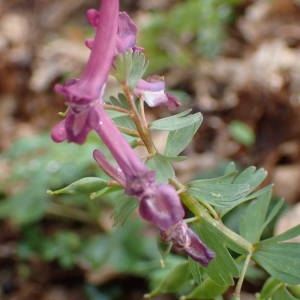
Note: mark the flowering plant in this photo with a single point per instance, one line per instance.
(151, 183)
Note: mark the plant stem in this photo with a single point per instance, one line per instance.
(237, 292)
(181, 188)
(199, 210)
(128, 131)
(116, 108)
(139, 122)
(63, 211)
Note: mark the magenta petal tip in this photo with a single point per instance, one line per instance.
(58, 133)
(93, 17)
(197, 250)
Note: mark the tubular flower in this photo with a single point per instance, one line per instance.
(154, 93)
(158, 203)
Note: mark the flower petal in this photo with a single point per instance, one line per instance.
(161, 206)
(185, 239)
(154, 94)
(197, 250)
(58, 133)
(108, 168)
(93, 17)
(89, 43)
(126, 36)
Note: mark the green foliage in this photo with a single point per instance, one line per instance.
(175, 122)
(230, 190)
(130, 67)
(175, 280)
(181, 127)
(37, 164)
(190, 27)
(124, 209)
(85, 185)
(117, 249)
(162, 166)
(275, 289)
(223, 268)
(257, 216)
(63, 246)
(207, 289)
(279, 257)
(242, 133)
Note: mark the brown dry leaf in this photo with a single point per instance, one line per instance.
(56, 59)
(286, 180)
(289, 220)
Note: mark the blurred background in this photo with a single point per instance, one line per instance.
(235, 61)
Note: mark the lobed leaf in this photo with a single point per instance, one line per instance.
(208, 289)
(180, 138)
(222, 269)
(85, 185)
(124, 209)
(176, 122)
(270, 287)
(230, 190)
(280, 259)
(253, 222)
(130, 67)
(162, 167)
(173, 281)
(195, 270)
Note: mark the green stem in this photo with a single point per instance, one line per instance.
(116, 108)
(128, 131)
(198, 210)
(139, 122)
(238, 288)
(63, 211)
(182, 188)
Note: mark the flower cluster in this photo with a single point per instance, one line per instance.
(158, 203)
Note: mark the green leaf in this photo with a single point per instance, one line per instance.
(290, 234)
(174, 280)
(253, 222)
(85, 185)
(195, 270)
(26, 207)
(252, 176)
(105, 191)
(274, 212)
(230, 190)
(295, 290)
(120, 101)
(283, 294)
(139, 67)
(208, 289)
(130, 67)
(179, 139)
(124, 209)
(176, 122)
(224, 196)
(242, 133)
(280, 259)
(162, 167)
(63, 246)
(222, 269)
(269, 288)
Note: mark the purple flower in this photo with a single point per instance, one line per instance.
(186, 240)
(126, 32)
(159, 203)
(153, 92)
(85, 94)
